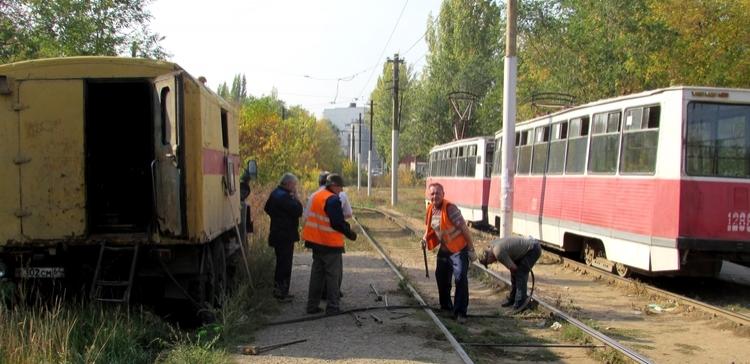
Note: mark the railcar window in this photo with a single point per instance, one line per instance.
(718, 140)
(166, 123)
(524, 152)
(640, 140)
(605, 143)
(558, 142)
(575, 159)
(541, 148)
(471, 161)
(224, 129)
(497, 159)
(489, 159)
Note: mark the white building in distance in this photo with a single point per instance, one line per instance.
(346, 121)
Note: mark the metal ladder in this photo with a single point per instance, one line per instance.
(108, 255)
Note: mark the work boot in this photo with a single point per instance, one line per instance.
(509, 301)
(332, 311)
(461, 319)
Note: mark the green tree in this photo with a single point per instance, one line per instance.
(51, 28)
(297, 143)
(382, 96)
(464, 55)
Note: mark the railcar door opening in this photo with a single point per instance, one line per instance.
(119, 151)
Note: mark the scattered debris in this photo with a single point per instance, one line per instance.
(556, 326)
(377, 319)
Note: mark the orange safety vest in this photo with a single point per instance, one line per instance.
(317, 227)
(450, 235)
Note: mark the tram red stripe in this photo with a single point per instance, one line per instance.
(213, 162)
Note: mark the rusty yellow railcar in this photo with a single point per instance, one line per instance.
(118, 172)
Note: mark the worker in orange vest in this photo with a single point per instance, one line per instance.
(324, 231)
(446, 228)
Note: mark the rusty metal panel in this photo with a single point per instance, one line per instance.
(51, 145)
(10, 225)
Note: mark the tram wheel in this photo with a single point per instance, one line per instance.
(622, 270)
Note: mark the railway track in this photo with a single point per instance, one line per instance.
(736, 318)
(597, 335)
(451, 339)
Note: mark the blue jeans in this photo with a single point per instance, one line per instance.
(520, 278)
(455, 266)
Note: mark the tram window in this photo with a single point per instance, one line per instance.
(497, 159)
(575, 158)
(166, 123)
(605, 143)
(541, 147)
(717, 140)
(524, 152)
(224, 129)
(557, 145)
(489, 159)
(640, 140)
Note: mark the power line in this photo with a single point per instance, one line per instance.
(423, 35)
(382, 53)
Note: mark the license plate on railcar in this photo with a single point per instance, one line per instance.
(40, 272)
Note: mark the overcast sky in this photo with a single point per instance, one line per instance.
(300, 47)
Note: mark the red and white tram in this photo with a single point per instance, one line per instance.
(463, 168)
(655, 182)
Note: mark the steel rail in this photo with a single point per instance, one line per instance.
(454, 343)
(630, 353)
(737, 318)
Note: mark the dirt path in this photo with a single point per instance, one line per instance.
(671, 336)
(410, 339)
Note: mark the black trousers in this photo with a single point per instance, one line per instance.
(283, 273)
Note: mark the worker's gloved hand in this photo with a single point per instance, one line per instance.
(472, 256)
(423, 243)
(352, 235)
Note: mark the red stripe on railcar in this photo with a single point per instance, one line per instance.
(213, 162)
(715, 210)
(640, 206)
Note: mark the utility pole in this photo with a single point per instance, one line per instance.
(509, 121)
(359, 152)
(394, 133)
(369, 155)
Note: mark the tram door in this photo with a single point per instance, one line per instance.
(167, 166)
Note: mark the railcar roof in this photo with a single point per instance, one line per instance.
(627, 97)
(462, 141)
(89, 66)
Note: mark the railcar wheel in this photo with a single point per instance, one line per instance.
(622, 270)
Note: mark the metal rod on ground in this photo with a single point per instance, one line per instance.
(255, 350)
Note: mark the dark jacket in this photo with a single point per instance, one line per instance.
(285, 211)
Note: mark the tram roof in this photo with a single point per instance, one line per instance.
(628, 97)
(462, 142)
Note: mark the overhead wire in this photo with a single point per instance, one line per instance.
(395, 26)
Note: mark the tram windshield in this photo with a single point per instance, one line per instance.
(718, 140)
